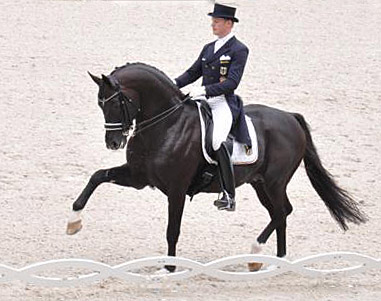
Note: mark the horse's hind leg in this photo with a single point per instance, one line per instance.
(279, 208)
(118, 175)
(281, 229)
(275, 200)
(263, 198)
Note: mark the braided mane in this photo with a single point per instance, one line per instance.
(160, 75)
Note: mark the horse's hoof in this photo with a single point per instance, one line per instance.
(254, 266)
(162, 271)
(170, 268)
(73, 227)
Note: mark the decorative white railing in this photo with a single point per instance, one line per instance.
(190, 268)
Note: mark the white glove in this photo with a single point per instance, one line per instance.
(197, 91)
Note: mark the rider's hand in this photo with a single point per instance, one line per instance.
(197, 91)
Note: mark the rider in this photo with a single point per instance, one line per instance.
(221, 65)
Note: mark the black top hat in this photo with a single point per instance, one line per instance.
(223, 11)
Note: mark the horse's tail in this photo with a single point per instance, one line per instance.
(341, 205)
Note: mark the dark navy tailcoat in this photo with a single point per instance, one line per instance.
(221, 73)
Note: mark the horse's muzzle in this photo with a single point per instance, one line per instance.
(115, 144)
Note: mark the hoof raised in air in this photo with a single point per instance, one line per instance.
(254, 266)
(73, 227)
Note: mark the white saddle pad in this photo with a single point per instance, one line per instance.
(239, 156)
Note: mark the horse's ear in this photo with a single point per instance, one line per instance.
(96, 79)
(106, 80)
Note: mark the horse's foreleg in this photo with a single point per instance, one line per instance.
(175, 213)
(118, 175)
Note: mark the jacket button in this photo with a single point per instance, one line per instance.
(213, 67)
(212, 77)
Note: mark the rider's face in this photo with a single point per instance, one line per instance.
(221, 27)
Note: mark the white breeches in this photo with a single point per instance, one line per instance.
(222, 119)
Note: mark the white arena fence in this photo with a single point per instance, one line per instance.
(186, 269)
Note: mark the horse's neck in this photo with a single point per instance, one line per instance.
(156, 100)
(156, 95)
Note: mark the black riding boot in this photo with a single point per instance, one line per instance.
(225, 166)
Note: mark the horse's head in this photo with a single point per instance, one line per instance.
(133, 92)
(118, 108)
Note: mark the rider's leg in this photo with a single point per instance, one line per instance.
(222, 119)
(227, 202)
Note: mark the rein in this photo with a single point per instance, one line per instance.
(158, 118)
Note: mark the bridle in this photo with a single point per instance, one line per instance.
(130, 111)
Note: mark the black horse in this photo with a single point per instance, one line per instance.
(164, 151)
